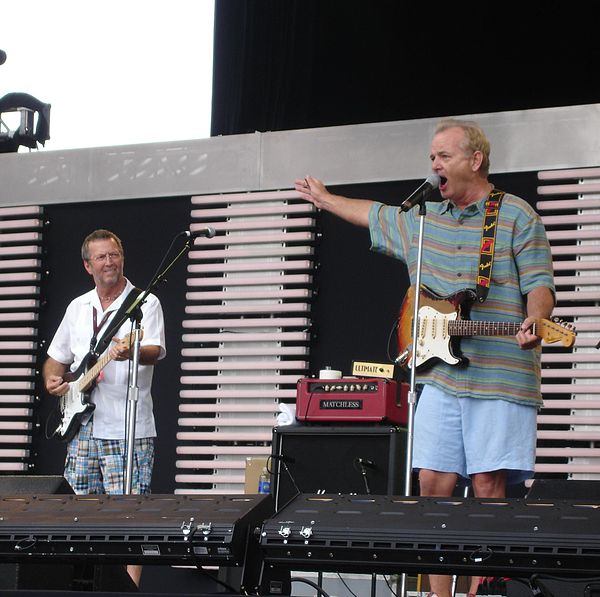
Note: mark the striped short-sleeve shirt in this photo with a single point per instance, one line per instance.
(497, 367)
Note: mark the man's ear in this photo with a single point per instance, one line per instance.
(476, 160)
(87, 266)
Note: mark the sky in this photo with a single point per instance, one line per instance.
(116, 72)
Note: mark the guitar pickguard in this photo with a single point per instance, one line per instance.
(435, 314)
(433, 339)
(73, 406)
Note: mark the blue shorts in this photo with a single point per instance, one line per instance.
(97, 465)
(472, 435)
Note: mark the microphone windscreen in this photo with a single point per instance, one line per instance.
(433, 180)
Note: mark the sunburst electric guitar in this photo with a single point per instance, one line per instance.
(75, 404)
(444, 320)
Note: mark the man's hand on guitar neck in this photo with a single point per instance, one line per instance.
(540, 304)
(119, 350)
(525, 337)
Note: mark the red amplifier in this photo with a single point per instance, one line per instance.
(351, 400)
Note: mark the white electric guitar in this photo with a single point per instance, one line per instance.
(75, 404)
(442, 322)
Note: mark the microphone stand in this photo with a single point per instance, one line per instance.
(132, 400)
(135, 314)
(412, 392)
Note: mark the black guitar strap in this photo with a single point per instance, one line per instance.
(488, 243)
(97, 348)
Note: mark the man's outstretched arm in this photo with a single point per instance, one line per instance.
(355, 211)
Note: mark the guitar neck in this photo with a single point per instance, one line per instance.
(465, 327)
(92, 373)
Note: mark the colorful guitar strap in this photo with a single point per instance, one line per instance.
(488, 243)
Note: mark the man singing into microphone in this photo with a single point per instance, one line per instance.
(95, 461)
(475, 422)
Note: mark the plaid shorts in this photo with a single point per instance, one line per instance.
(98, 465)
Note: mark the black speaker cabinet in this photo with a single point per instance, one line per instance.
(337, 459)
(564, 489)
(34, 484)
(55, 576)
(35, 576)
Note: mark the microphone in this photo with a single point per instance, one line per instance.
(2, 56)
(431, 182)
(208, 232)
(364, 462)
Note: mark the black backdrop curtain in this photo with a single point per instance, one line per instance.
(307, 63)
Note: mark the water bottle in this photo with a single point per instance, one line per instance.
(264, 482)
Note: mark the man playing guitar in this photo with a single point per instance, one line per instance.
(477, 420)
(96, 454)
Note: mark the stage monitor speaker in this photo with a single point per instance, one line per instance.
(129, 529)
(342, 459)
(34, 484)
(563, 489)
(476, 536)
(35, 576)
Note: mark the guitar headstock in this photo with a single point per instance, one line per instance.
(556, 330)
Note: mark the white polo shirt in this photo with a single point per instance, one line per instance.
(71, 344)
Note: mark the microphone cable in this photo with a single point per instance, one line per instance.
(283, 460)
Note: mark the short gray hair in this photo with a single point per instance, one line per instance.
(476, 139)
(99, 234)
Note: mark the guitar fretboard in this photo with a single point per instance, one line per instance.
(104, 360)
(483, 328)
(91, 374)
